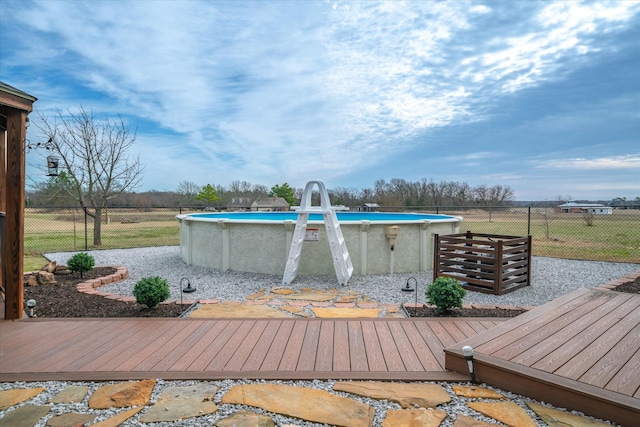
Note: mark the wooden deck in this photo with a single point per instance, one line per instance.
(581, 351)
(206, 349)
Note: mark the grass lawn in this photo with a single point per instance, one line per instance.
(610, 238)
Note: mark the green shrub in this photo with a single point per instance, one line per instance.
(81, 262)
(445, 293)
(151, 291)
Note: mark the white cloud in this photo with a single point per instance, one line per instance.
(631, 161)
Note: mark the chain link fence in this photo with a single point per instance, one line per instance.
(583, 235)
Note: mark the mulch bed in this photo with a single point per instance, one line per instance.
(425, 311)
(64, 300)
(630, 288)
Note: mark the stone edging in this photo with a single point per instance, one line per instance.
(612, 284)
(90, 287)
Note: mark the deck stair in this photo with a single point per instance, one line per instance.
(339, 251)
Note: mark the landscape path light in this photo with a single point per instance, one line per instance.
(31, 305)
(467, 352)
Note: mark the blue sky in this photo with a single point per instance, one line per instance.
(541, 96)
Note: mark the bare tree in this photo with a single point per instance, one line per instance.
(94, 157)
(188, 191)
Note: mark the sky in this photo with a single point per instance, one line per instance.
(543, 97)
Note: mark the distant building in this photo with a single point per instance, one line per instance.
(593, 208)
(369, 207)
(270, 204)
(239, 204)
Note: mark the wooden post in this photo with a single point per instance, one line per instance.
(436, 255)
(13, 193)
(497, 262)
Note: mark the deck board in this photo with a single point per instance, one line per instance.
(582, 348)
(111, 349)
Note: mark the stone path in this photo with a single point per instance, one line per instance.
(229, 403)
(284, 302)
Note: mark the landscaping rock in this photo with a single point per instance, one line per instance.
(317, 296)
(46, 278)
(237, 311)
(508, 413)
(556, 418)
(117, 420)
(178, 403)
(346, 313)
(414, 418)
(9, 398)
(70, 419)
(49, 267)
(24, 416)
(122, 395)
(407, 395)
(475, 392)
(71, 394)
(300, 402)
(246, 419)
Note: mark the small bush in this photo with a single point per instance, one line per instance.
(151, 291)
(81, 262)
(445, 293)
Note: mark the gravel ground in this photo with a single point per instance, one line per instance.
(457, 406)
(551, 278)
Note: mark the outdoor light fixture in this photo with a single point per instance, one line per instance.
(188, 289)
(467, 352)
(407, 287)
(391, 233)
(31, 305)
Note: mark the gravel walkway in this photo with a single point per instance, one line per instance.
(551, 278)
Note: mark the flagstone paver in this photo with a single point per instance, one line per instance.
(407, 395)
(508, 413)
(300, 402)
(193, 401)
(13, 397)
(237, 311)
(475, 392)
(246, 418)
(71, 394)
(317, 296)
(120, 395)
(556, 418)
(70, 419)
(283, 291)
(177, 403)
(24, 416)
(414, 418)
(342, 313)
(116, 420)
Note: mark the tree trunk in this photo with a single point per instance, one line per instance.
(97, 228)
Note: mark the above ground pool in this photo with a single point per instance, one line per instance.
(259, 242)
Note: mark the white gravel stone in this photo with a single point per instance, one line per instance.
(550, 277)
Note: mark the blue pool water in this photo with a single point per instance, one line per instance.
(342, 216)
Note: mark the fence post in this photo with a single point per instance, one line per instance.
(86, 230)
(529, 221)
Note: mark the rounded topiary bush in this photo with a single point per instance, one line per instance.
(81, 262)
(151, 291)
(445, 293)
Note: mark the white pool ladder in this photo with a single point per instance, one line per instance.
(339, 252)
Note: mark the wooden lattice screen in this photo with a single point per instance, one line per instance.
(488, 263)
